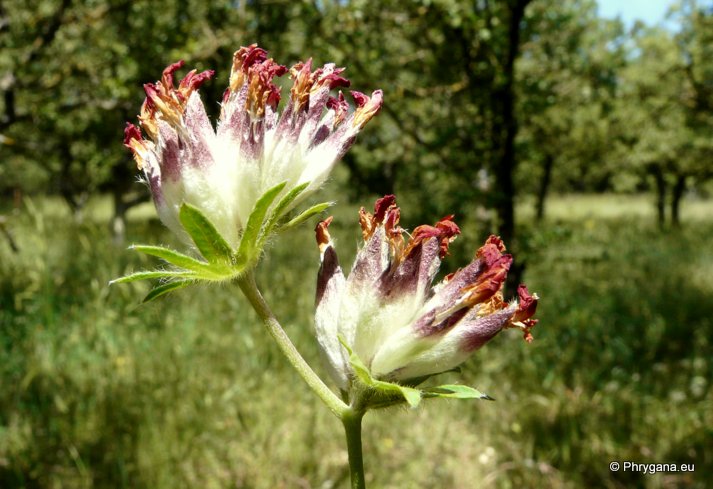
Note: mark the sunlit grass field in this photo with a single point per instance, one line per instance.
(97, 391)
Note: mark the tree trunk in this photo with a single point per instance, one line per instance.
(8, 235)
(544, 187)
(75, 202)
(660, 195)
(504, 132)
(118, 221)
(122, 204)
(676, 194)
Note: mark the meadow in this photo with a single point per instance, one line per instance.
(98, 391)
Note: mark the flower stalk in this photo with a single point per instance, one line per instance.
(249, 287)
(351, 418)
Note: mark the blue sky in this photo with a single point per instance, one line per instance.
(650, 11)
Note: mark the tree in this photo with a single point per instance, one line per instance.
(664, 104)
(71, 75)
(567, 83)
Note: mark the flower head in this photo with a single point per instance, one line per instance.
(389, 312)
(224, 171)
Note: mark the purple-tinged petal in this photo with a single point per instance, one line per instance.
(371, 262)
(448, 291)
(169, 152)
(234, 121)
(421, 356)
(339, 106)
(413, 276)
(201, 134)
(330, 287)
(476, 330)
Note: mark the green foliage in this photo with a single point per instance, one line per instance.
(591, 112)
(71, 75)
(305, 215)
(455, 391)
(207, 239)
(180, 260)
(222, 262)
(255, 232)
(568, 76)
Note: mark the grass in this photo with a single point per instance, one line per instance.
(98, 392)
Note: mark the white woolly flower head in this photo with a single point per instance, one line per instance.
(390, 315)
(223, 172)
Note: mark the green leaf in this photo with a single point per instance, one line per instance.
(168, 274)
(181, 260)
(314, 210)
(165, 289)
(455, 391)
(411, 396)
(282, 205)
(249, 242)
(420, 380)
(204, 234)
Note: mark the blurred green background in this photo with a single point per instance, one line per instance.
(586, 143)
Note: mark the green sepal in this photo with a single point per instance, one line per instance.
(455, 391)
(165, 289)
(282, 207)
(415, 381)
(386, 389)
(173, 257)
(160, 274)
(249, 246)
(302, 217)
(208, 240)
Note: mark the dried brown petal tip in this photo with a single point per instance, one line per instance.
(322, 234)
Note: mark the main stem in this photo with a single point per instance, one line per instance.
(352, 427)
(337, 406)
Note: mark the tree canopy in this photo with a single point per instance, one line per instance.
(485, 100)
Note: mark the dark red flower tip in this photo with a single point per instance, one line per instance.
(445, 231)
(359, 98)
(338, 103)
(382, 205)
(247, 56)
(152, 93)
(495, 267)
(367, 107)
(131, 132)
(333, 80)
(262, 92)
(340, 107)
(491, 280)
(386, 213)
(193, 80)
(527, 304)
(491, 250)
(167, 75)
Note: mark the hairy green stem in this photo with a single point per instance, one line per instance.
(249, 287)
(352, 427)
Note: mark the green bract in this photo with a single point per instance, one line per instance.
(219, 261)
(373, 393)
